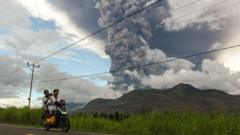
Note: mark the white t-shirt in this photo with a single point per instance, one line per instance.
(51, 104)
(44, 102)
(57, 99)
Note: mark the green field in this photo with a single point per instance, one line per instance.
(168, 123)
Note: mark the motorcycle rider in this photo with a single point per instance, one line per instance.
(44, 103)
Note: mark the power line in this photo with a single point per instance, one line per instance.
(142, 10)
(182, 16)
(74, 77)
(10, 92)
(23, 85)
(199, 10)
(100, 30)
(83, 51)
(11, 73)
(136, 67)
(178, 23)
(215, 12)
(186, 5)
(32, 68)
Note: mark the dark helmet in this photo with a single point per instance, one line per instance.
(55, 90)
(46, 91)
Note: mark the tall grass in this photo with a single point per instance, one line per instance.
(91, 124)
(180, 124)
(168, 123)
(21, 116)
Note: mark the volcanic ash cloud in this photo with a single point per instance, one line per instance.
(128, 43)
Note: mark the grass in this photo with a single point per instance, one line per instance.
(91, 124)
(20, 116)
(186, 123)
(164, 123)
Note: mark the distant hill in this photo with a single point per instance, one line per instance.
(182, 97)
(74, 106)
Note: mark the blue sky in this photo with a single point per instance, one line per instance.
(40, 24)
(3, 31)
(81, 63)
(6, 52)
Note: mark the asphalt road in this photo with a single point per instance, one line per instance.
(19, 130)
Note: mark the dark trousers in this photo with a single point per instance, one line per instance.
(44, 113)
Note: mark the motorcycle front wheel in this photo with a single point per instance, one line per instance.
(64, 124)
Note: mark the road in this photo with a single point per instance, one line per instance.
(19, 130)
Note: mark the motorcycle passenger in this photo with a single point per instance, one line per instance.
(51, 105)
(59, 102)
(55, 95)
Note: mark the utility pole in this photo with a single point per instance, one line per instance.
(31, 67)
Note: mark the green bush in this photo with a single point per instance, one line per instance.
(21, 116)
(180, 124)
(89, 123)
(161, 123)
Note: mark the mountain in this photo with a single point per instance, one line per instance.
(71, 107)
(182, 97)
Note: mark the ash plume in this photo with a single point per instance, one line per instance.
(128, 43)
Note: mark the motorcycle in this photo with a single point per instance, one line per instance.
(58, 120)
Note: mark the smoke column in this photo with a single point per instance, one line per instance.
(128, 42)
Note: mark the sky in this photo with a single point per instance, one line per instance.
(31, 30)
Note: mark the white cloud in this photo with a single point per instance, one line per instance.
(11, 85)
(13, 16)
(230, 58)
(14, 91)
(46, 11)
(213, 75)
(20, 39)
(74, 90)
(26, 42)
(30, 44)
(214, 13)
(9, 102)
(217, 15)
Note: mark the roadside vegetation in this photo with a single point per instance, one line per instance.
(165, 123)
